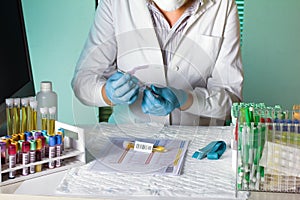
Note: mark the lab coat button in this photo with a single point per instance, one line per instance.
(176, 68)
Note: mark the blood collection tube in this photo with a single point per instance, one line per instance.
(12, 155)
(61, 132)
(32, 156)
(52, 145)
(28, 135)
(58, 148)
(38, 154)
(25, 157)
(43, 140)
(20, 152)
(17, 151)
(47, 146)
(7, 140)
(3, 152)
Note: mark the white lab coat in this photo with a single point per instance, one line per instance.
(207, 61)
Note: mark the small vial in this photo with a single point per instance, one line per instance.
(16, 115)
(51, 121)
(24, 108)
(33, 108)
(32, 156)
(17, 151)
(29, 114)
(38, 153)
(58, 148)
(43, 140)
(3, 152)
(44, 117)
(9, 115)
(12, 159)
(61, 132)
(7, 140)
(47, 146)
(20, 152)
(25, 157)
(52, 145)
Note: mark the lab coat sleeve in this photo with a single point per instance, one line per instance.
(224, 86)
(97, 60)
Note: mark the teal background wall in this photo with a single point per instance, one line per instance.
(56, 32)
(271, 52)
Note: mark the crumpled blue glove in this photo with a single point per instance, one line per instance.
(162, 101)
(122, 88)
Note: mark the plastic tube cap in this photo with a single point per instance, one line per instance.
(32, 145)
(3, 146)
(52, 141)
(25, 146)
(46, 86)
(58, 139)
(12, 149)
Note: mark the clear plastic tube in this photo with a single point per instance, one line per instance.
(9, 115)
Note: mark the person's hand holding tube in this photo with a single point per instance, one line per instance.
(122, 88)
(162, 101)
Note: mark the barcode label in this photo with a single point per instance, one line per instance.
(143, 147)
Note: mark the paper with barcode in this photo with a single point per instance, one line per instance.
(118, 157)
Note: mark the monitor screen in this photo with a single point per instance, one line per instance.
(16, 76)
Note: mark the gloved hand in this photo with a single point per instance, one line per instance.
(122, 88)
(163, 101)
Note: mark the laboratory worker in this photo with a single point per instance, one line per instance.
(162, 61)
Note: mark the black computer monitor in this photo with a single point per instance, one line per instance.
(15, 69)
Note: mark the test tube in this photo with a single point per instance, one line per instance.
(43, 140)
(3, 152)
(33, 108)
(12, 155)
(32, 155)
(20, 142)
(51, 121)
(44, 117)
(24, 108)
(52, 145)
(16, 115)
(25, 157)
(58, 148)
(61, 132)
(9, 115)
(38, 153)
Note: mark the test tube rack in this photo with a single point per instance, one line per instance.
(74, 155)
(268, 156)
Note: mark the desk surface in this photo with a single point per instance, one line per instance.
(201, 179)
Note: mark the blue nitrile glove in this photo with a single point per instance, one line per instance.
(122, 88)
(162, 101)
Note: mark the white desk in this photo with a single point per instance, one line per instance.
(201, 179)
